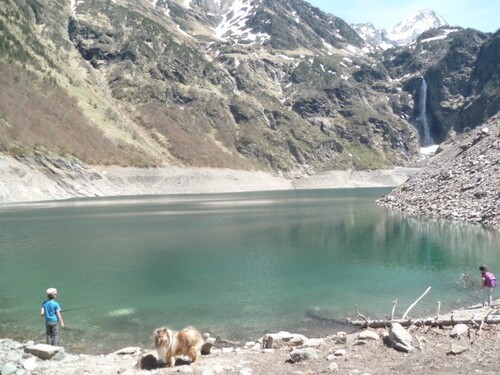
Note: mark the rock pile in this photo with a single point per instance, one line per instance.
(461, 182)
(278, 351)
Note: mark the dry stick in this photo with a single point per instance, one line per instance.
(420, 346)
(414, 303)
(362, 316)
(478, 332)
(439, 309)
(482, 321)
(394, 308)
(470, 328)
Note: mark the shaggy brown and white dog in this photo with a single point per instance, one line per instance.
(170, 344)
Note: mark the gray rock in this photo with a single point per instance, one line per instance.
(459, 330)
(8, 368)
(330, 357)
(360, 343)
(43, 351)
(457, 349)
(129, 350)
(340, 353)
(399, 338)
(29, 363)
(185, 369)
(314, 343)
(368, 335)
(305, 354)
(333, 367)
(277, 340)
(206, 347)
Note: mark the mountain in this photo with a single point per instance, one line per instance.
(404, 33)
(269, 85)
(460, 69)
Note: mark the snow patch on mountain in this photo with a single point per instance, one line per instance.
(233, 26)
(445, 35)
(74, 4)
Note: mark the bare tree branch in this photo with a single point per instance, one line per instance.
(361, 315)
(414, 303)
(394, 308)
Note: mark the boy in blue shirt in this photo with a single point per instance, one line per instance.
(52, 312)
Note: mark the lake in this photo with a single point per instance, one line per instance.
(236, 265)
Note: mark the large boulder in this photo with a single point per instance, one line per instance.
(399, 338)
(43, 351)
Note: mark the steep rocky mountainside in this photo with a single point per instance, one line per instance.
(462, 74)
(461, 182)
(248, 84)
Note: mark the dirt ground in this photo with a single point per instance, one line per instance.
(475, 352)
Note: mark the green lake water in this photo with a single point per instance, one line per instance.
(235, 265)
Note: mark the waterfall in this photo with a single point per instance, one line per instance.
(422, 120)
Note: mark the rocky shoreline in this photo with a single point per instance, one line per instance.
(461, 182)
(446, 349)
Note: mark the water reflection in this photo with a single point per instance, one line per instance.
(237, 265)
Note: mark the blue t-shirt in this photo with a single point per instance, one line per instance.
(51, 308)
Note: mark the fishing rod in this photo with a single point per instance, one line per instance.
(76, 308)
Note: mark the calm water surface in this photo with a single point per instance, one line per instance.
(236, 265)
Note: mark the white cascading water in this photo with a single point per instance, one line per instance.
(422, 119)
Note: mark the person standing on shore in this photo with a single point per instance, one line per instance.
(53, 318)
(489, 283)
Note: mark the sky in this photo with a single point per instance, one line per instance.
(483, 15)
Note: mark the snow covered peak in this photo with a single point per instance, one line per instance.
(405, 32)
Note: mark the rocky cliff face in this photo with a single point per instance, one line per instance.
(460, 92)
(462, 182)
(268, 84)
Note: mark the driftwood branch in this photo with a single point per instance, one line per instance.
(394, 308)
(479, 326)
(414, 303)
(438, 321)
(478, 333)
(361, 315)
(424, 322)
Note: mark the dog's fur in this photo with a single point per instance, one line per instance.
(169, 344)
